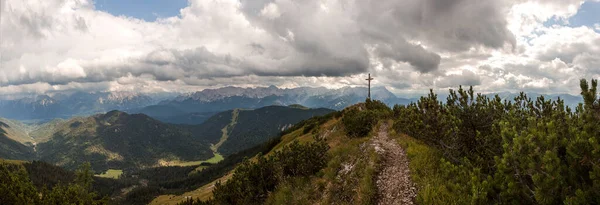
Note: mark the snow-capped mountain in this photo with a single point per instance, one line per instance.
(63, 105)
(196, 107)
(233, 97)
(38, 107)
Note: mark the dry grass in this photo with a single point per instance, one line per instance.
(203, 193)
(215, 159)
(11, 161)
(111, 173)
(110, 156)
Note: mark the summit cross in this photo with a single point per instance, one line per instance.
(369, 79)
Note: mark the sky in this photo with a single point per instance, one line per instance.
(409, 46)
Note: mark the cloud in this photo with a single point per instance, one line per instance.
(332, 28)
(565, 43)
(409, 45)
(454, 25)
(466, 78)
(415, 55)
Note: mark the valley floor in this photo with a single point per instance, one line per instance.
(394, 184)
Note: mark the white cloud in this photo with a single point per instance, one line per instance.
(465, 78)
(409, 45)
(270, 11)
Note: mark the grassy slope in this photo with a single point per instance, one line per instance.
(226, 130)
(11, 161)
(31, 132)
(434, 186)
(217, 158)
(354, 185)
(16, 130)
(18, 140)
(111, 173)
(10, 148)
(348, 177)
(43, 132)
(204, 193)
(263, 123)
(255, 127)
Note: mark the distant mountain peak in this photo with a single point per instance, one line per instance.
(208, 95)
(115, 113)
(298, 106)
(65, 105)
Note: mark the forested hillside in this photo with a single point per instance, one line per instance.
(119, 140)
(254, 127)
(10, 148)
(501, 152)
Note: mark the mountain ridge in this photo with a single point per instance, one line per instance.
(197, 104)
(76, 104)
(119, 140)
(195, 107)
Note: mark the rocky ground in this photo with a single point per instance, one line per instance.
(393, 182)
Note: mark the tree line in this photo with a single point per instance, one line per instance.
(16, 188)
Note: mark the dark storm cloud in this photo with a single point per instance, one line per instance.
(202, 63)
(453, 25)
(422, 60)
(450, 25)
(320, 43)
(314, 65)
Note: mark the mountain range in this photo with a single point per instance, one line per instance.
(42, 107)
(196, 107)
(118, 140)
(189, 108)
(192, 108)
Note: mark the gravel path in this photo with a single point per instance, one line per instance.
(393, 183)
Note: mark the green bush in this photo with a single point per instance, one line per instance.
(252, 182)
(359, 120)
(301, 160)
(516, 152)
(358, 123)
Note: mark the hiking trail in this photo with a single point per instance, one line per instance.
(394, 185)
